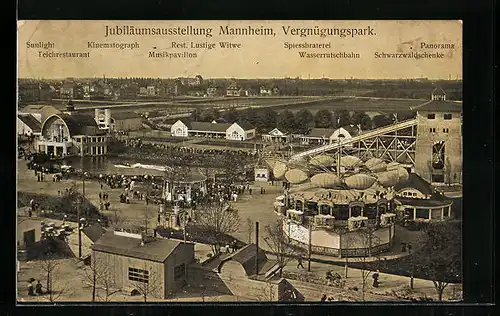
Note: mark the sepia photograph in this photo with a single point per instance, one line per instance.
(239, 161)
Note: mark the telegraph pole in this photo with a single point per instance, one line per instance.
(310, 248)
(78, 220)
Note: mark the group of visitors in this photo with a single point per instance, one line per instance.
(36, 289)
(171, 154)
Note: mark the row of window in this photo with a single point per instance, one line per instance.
(409, 194)
(433, 130)
(447, 116)
(91, 139)
(140, 275)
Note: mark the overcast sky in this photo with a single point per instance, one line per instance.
(258, 57)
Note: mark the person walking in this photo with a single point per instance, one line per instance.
(409, 247)
(38, 288)
(299, 262)
(375, 277)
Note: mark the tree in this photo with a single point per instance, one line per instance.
(249, 115)
(98, 275)
(49, 264)
(218, 221)
(267, 119)
(323, 119)
(357, 116)
(286, 121)
(440, 257)
(231, 115)
(195, 115)
(381, 120)
(280, 246)
(366, 123)
(209, 115)
(363, 238)
(148, 284)
(304, 121)
(343, 117)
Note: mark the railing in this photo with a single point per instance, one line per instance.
(373, 133)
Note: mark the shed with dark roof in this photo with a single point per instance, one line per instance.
(242, 262)
(137, 259)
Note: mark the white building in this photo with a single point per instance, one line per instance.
(347, 132)
(180, 129)
(240, 131)
(319, 136)
(276, 136)
(72, 134)
(235, 131)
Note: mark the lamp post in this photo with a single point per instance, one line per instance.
(310, 247)
(340, 137)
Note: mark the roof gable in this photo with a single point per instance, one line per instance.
(155, 250)
(31, 122)
(246, 257)
(276, 132)
(94, 232)
(245, 125)
(415, 182)
(438, 106)
(209, 127)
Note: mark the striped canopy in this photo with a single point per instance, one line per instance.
(350, 161)
(326, 180)
(360, 181)
(323, 161)
(279, 170)
(296, 176)
(376, 165)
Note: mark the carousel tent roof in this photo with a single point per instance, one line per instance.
(403, 174)
(279, 170)
(360, 181)
(388, 178)
(393, 165)
(350, 161)
(326, 180)
(296, 176)
(323, 160)
(376, 165)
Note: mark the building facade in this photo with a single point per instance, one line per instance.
(240, 131)
(438, 154)
(141, 263)
(236, 131)
(72, 134)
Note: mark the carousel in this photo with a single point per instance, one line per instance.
(340, 206)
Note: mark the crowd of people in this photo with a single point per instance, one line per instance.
(180, 155)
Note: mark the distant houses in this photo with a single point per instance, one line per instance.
(234, 90)
(119, 121)
(236, 131)
(34, 91)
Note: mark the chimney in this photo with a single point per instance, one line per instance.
(257, 248)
